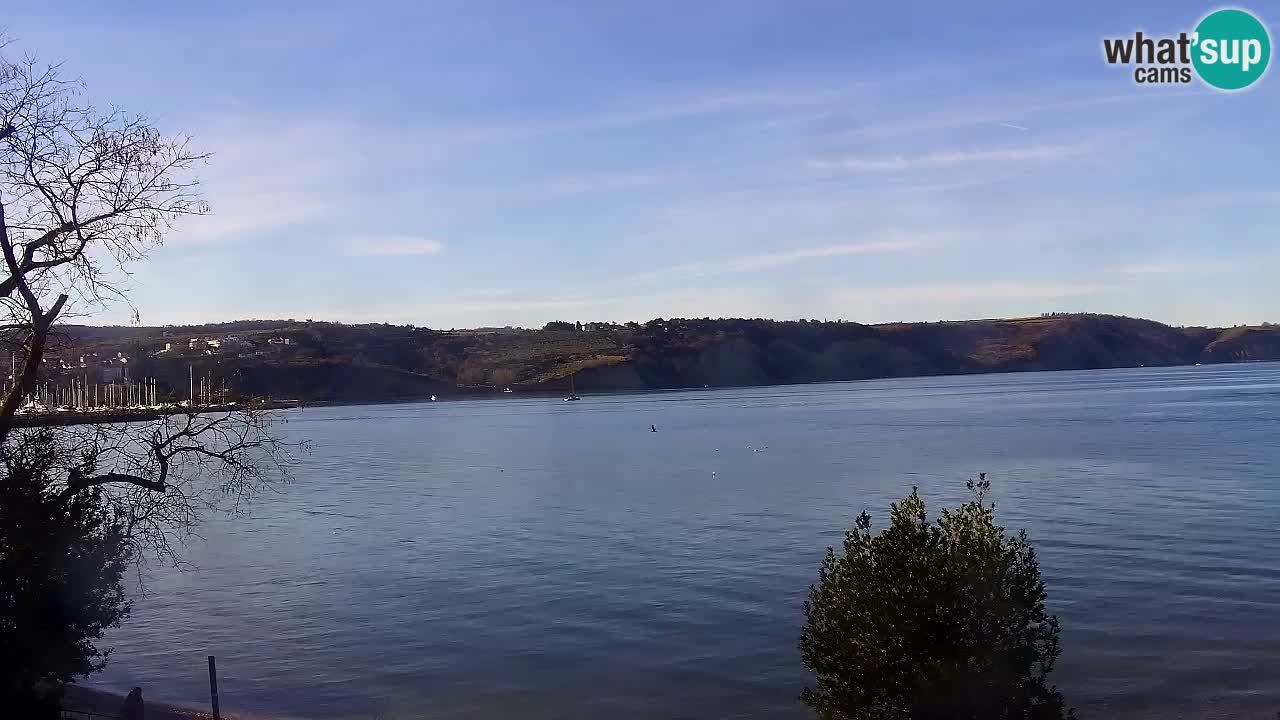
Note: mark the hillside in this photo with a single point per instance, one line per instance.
(330, 361)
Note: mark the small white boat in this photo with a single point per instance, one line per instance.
(433, 398)
(506, 390)
(572, 395)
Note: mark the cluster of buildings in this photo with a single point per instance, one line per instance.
(229, 345)
(114, 368)
(101, 369)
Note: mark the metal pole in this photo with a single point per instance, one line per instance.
(213, 688)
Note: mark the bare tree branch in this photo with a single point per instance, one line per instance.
(85, 193)
(82, 194)
(77, 481)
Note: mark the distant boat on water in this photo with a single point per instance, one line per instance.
(572, 395)
(506, 390)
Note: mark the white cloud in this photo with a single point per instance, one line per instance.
(237, 213)
(951, 158)
(392, 245)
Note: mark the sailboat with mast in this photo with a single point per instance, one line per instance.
(572, 395)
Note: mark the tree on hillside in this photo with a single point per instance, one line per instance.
(84, 194)
(559, 325)
(931, 620)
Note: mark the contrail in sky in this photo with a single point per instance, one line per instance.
(1011, 125)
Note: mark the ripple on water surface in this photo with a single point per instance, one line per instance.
(531, 557)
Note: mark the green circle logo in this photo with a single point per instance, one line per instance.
(1232, 49)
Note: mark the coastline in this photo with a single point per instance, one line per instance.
(125, 415)
(540, 391)
(547, 392)
(81, 702)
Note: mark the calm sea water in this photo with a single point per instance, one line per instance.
(542, 559)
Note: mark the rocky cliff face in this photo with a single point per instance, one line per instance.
(1060, 343)
(1246, 344)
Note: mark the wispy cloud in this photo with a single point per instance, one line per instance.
(267, 175)
(718, 101)
(950, 158)
(945, 293)
(593, 182)
(649, 109)
(237, 213)
(872, 304)
(1181, 266)
(497, 309)
(769, 261)
(392, 245)
(528, 309)
(972, 112)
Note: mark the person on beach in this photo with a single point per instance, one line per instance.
(132, 709)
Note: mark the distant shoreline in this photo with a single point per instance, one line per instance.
(331, 363)
(126, 415)
(80, 700)
(537, 392)
(544, 393)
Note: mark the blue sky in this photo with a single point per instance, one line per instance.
(454, 164)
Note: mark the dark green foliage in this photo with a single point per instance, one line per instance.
(61, 566)
(560, 325)
(931, 620)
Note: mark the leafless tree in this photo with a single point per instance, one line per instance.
(84, 193)
(166, 476)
